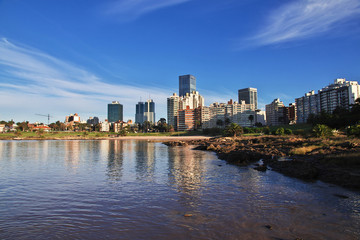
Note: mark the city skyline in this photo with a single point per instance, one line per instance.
(116, 51)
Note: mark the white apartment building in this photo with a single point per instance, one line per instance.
(192, 100)
(341, 93)
(105, 126)
(238, 113)
(172, 109)
(276, 113)
(175, 103)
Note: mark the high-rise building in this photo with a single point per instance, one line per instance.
(187, 84)
(192, 100)
(93, 120)
(149, 111)
(172, 110)
(306, 105)
(115, 112)
(249, 95)
(341, 94)
(139, 114)
(186, 119)
(276, 113)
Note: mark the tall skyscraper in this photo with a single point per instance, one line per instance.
(115, 111)
(149, 111)
(249, 95)
(139, 114)
(187, 84)
(172, 110)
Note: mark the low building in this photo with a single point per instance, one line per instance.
(42, 128)
(2, 128)
(105, 126)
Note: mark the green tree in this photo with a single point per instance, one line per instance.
(220, 123)
(251, 118)
(147, 126)
(288, 131)
(321, 130)
(233, 130)
(227, 121)
(280, 131)
(40, 132)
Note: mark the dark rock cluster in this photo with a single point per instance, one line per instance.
(315, 163)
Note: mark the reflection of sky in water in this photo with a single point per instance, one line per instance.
(132, 189)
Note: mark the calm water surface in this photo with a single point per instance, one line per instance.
(127, 189)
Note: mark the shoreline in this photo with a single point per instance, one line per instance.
(148, 138)
(335, 161)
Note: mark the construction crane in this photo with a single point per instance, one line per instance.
(48, 116)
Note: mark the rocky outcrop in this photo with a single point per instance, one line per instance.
(306, 159)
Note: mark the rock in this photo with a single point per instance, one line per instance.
(261, 168)
(341, 196)
(201, 147)
(268, 227)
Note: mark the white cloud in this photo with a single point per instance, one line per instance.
(33, 82)
(132, 9)
(28, 75)
(304, 19)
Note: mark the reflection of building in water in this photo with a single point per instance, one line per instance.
(72, 153)
(145, 159)
(115, 157)
(186, 172)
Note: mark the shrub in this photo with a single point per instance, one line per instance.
(353, 131)
(321, 130)
(233, 130)
(212, 131)
(123, 133)
(266, 130)
(288, 131)
(280, 131)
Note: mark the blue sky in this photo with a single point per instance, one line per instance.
(63, 57)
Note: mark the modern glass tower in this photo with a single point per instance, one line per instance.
(149, 112)
(187, 84)
(249, 95)
(139, 114)
(115, 111)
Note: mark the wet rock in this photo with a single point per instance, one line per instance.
(341, 196)
(261, 168)
(200, 147)
(268, 227)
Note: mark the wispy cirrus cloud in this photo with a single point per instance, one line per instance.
(128, 10)
(305, 19)
(32, 81)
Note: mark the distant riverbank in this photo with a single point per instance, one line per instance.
(335, 160)
(180, 136)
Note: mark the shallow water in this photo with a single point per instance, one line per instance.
(127, 189)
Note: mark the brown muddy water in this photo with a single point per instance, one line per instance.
(128, 189)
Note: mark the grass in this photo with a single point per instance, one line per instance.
(89, 135)
(303, 150)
